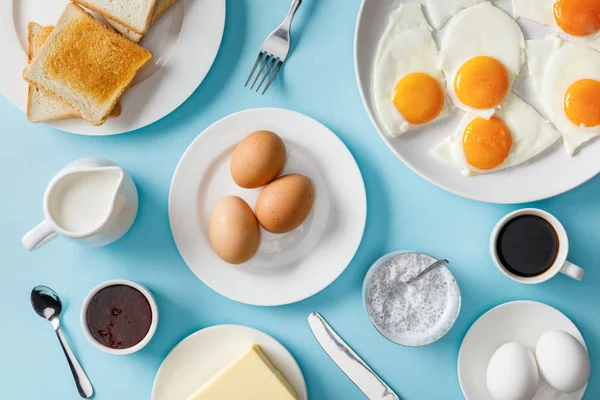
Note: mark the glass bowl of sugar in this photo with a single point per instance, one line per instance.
(410, 315)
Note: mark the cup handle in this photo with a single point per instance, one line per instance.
(572, 271)
(38, 236)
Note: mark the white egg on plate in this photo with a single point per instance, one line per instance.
(562, 361)
(407, 84)
(482, 53)
(566, 78)
(575, 20)
(440, 11)
(516, 134)
(512, 373)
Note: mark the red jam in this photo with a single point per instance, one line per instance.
(119, 316)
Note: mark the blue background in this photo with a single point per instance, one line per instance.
(404, 211)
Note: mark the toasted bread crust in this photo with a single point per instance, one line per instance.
(87, 4)
(35, 42)
(158, 14)
(88, 62)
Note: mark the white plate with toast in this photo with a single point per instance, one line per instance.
(287, 267)
(183, 36)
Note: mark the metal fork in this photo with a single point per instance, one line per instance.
(274, 51)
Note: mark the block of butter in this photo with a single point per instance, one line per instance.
(250, 377)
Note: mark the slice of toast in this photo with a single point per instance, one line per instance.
(43, 105)
(87, 64)
(133, 14)
(161, 7)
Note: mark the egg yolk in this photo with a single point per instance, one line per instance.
(578, 17)
(486, 143)
(482, 82)
(419, 98)
(582, 103)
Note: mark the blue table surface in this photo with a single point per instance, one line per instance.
(404, 212)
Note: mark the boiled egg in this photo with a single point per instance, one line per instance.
(566, 78)
(563, 361)
(233, 230)
(285, 203)
(516, 134)
(441, 10)
(575, 20)
(257, 159)
(407, 85)
(481, 55)
(512, 373)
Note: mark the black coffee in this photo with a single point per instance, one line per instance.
(527, 245)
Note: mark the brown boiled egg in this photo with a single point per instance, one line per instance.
(284, 204)
(257, 159)
(233, 230)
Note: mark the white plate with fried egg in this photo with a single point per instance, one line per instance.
(524, 160)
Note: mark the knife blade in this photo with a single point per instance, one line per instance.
(348, 361)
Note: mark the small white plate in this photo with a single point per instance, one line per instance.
(548, 175)
(518, 321)
(289, 267)
(202, 354)
(184, 43)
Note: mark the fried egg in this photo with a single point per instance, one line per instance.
(441, 10)
(566, 78)
(481, 56)
(575, 20)
(407, 85)
(516, 134)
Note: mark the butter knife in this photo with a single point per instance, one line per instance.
(348, 361)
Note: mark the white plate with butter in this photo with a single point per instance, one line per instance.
(204, 354)
(286, 268)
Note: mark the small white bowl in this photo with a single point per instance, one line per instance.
(153, 324)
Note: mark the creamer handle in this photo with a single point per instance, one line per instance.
(38, 236)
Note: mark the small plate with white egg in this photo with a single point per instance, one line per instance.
(476, 98)
(520, 350)
(229, 242)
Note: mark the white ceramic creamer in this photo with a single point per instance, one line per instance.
(92, 200)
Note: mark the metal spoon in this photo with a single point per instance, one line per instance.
(47, 305)
(436, 265)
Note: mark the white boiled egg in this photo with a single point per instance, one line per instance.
(516, 134)
(481, 55)
(407, 84)
(441, 10)
(566, 77)
(563, 361)
(512, 373)
(575, 20)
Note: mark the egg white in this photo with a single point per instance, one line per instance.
(531, 135)
(541, 11)
(440, 11)
(405, 47)
(554, 66)
(481, 30)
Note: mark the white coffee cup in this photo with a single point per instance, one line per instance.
(560, 263)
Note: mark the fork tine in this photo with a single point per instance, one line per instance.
(260, 55)
(273, 76)
(271, 64)
(262, 67)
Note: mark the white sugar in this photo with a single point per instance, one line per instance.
(417, 314)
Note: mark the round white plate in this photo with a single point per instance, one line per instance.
(518, 321)
(289, 267)
(184, 43)
(548, 175)
(202, 354)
